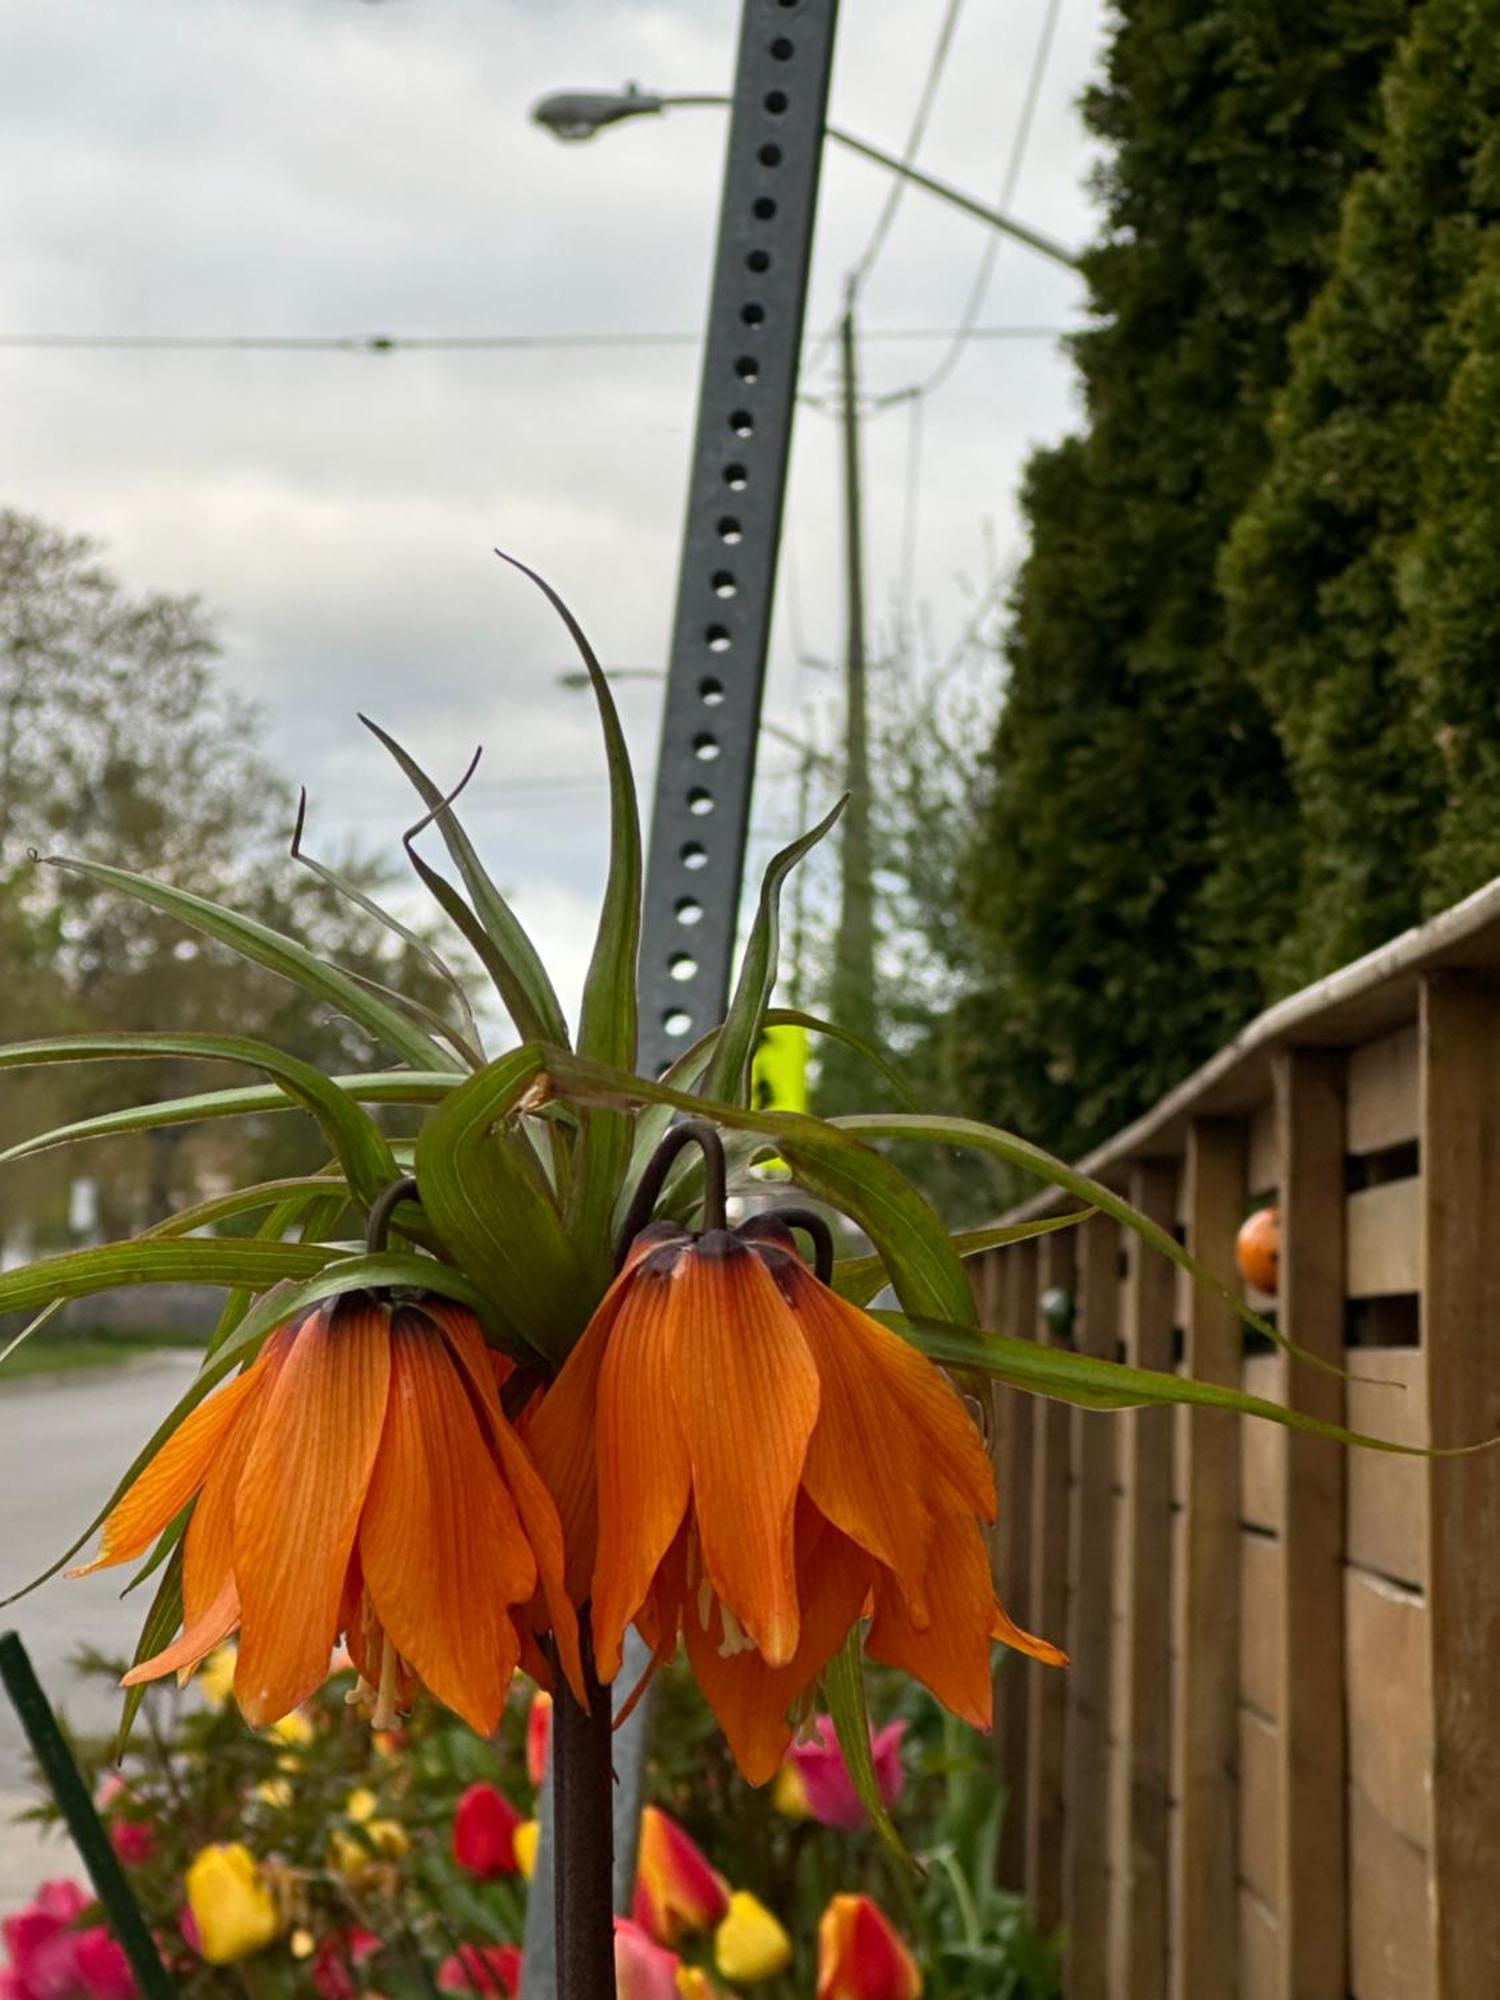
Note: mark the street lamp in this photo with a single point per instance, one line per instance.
(575, 115)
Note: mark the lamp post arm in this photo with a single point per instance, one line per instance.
(1034, 239)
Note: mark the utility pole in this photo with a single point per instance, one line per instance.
(853, 995)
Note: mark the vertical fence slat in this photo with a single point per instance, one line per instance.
(1207, 1707)
(1013, 1468)
(1312, 1857)
(1141, 1886)
(1460, 1030)
(1047, 1690)
(1086, 1830)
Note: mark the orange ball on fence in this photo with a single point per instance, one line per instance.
(1257, 1249)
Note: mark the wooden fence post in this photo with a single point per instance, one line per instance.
(1313, 1911)
(1013, 1469)
(1140, 1946)
(1090, 1621)
(1047, 1689)
(1460, 1029)
(1206, 1711)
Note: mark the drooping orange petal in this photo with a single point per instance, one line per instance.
(953, 1655)
(752, 1700)
(440, 1543)
(1009, 1633)
(559, 1433)
(643, 1468)
(876, 1386)
(196, 1641)
(533, 1502)
(208, 1547)
(167, 1484)
(299, 1502)
(746, 1394)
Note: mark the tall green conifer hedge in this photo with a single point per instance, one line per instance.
(1136, 770)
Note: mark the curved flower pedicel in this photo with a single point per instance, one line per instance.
(743, 1458)
(360, 1478)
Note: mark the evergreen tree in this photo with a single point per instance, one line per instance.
(1361, 603)
(1134, 765)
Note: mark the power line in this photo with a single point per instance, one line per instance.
(389, 343)
(937, 62)
(1020, 143)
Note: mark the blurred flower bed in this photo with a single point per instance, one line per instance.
(317, 1859)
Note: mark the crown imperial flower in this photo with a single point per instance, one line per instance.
(360, 1477)
(732, 1495)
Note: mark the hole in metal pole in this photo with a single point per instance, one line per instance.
(724, 584)
(753, 314)
(693, 857)
(730, 531)
(689, 912)
(747, 368)
(742, 423)
(775, 102)
(763, 209)
(682, 966)
(718, 639)
(736, 478)
(783, 48)
(700, 803)
(706, 748)
(769, 156)
(758, 261)
(676, 1023)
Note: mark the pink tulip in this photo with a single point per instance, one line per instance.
(51, 1960)
(826, 1784)
(643, 1969)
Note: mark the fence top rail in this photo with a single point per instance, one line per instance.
(1369, 997)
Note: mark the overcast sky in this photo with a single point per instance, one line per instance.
(311, 167)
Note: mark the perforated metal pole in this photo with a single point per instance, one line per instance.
(722, 628)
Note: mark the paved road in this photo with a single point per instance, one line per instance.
(63, 1444)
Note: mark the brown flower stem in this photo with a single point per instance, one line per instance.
(583, 1836)
(687, 1132)
(382, 1209)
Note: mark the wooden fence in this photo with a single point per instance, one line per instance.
(1273, 1768)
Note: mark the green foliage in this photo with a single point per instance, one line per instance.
(1360, 603)
(1138, 801)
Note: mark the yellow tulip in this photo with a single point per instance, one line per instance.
(750, 1944)
(389, 1837)
(360, 1805)
(302, 1942)
(294, 1729)
(276, 1793)
(693, 1984)
(216, 1676)
(524, 1840)
(789, 1794)
(234, 1910)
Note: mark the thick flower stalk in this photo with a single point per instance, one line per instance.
(359, 1479)
(743, 1458)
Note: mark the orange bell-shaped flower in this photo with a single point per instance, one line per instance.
(741, 1456)
(359, 1479)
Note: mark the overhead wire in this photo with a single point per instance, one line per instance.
(385, 343)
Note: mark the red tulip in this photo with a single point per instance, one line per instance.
(484, 1833)
(538, 1735)
(860, 1957)
(675, 1888)
(482, 1968)
(337, 1959)
(133, 1840)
